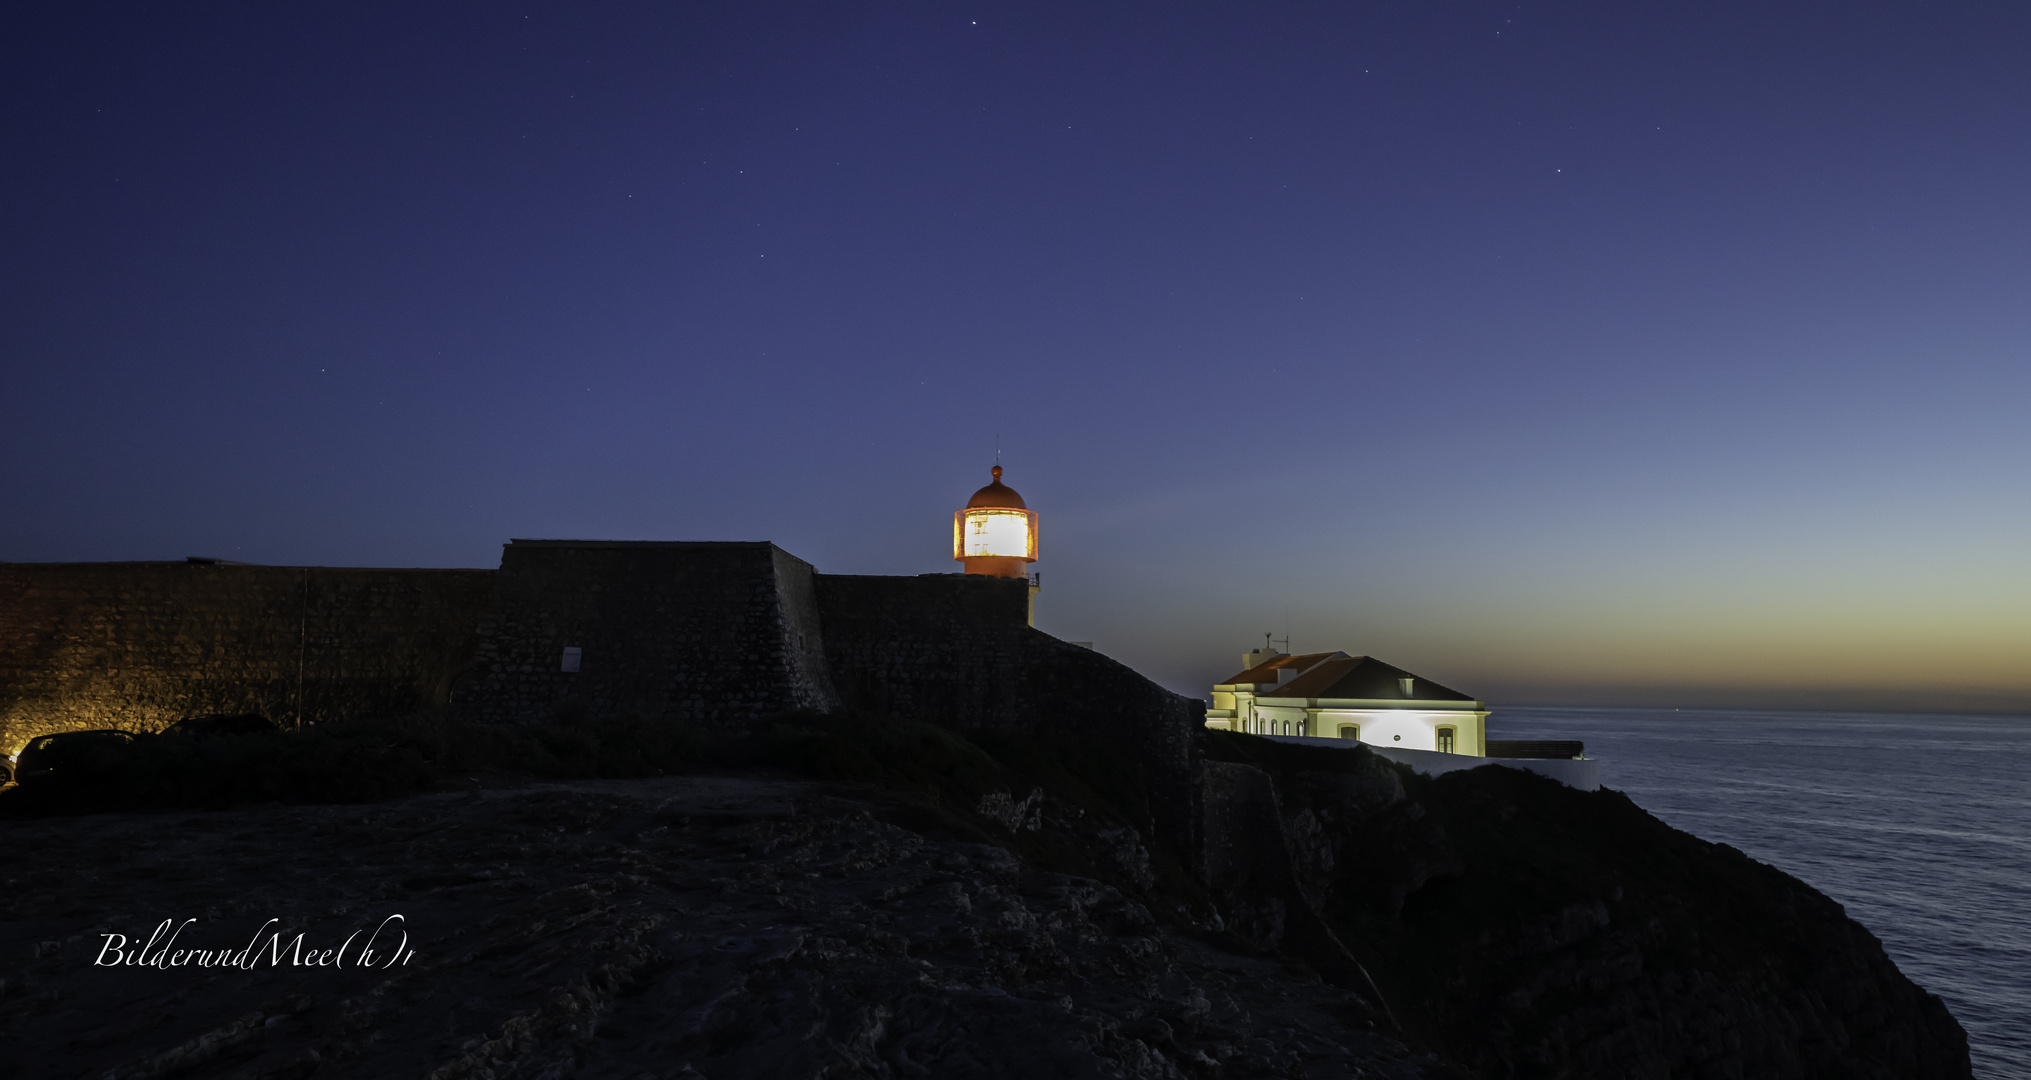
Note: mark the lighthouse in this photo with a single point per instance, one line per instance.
(996, 534)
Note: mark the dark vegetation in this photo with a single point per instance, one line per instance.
(934, 773)
(205, 727)
(1056, 794)
(358, 761)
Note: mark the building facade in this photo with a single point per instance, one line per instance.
(1336, 696)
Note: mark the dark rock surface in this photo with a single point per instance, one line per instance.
(1524, 929)
(682, 927)
(973, 906)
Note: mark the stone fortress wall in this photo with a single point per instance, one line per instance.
(711, 633)
(959, 649)
(140, 645)
(705, 632)
(725, 633)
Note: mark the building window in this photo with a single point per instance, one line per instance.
(1350, 731)
(1445, 740)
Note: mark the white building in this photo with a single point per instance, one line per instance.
(1334, 695)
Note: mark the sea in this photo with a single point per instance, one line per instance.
(1919, 825)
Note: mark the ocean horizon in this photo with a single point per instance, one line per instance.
(1918, 824)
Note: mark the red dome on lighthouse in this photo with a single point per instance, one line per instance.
(997, 494)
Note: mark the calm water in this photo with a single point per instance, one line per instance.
(1919, 825)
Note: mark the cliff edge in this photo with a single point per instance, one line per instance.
(1524, 929)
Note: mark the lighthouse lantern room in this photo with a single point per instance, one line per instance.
(996, 534)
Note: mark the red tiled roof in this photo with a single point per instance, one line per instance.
(1266, 673)
(1364, 678)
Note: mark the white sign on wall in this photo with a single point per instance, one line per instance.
(571, 658)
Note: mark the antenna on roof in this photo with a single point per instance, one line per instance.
(997, 451)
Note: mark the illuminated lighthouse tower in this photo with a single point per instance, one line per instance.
(996, 534)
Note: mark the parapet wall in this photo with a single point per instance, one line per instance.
(141, 645)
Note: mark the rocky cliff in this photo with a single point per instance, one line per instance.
(923, 902)
(1030, 860)
(692, 927)
(1524, 929)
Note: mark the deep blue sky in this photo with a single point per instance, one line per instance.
(1621, 352)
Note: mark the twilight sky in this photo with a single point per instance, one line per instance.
(1666, 354)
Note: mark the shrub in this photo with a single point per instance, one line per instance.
(357, 761)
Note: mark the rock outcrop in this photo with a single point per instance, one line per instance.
(948, 917)
(1524, 929)
(677, 928)
(1071, 876)
(1057, 880)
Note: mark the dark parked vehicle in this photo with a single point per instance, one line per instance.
(223, 724)
(49, 755)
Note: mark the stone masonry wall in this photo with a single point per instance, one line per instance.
(957, 649)
(809, 677)
(714, 633)
(709, 632)
(140, 645)
(939, 647)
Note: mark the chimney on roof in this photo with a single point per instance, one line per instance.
(1255, 658)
